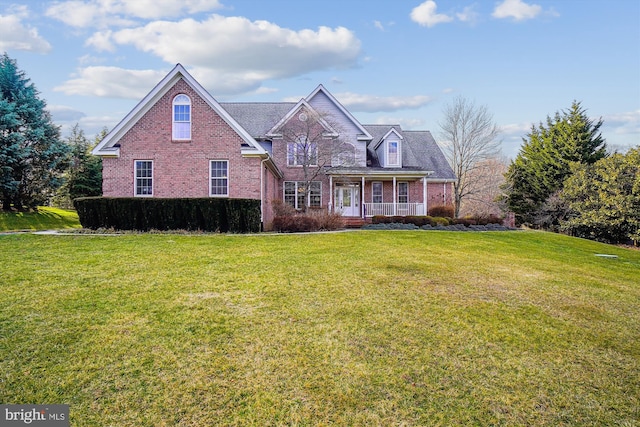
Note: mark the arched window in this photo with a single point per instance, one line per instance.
(181, 117)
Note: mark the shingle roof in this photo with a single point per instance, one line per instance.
(419, 149)
(257, 117)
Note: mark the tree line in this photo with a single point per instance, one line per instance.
(563, 179)
(37, 166)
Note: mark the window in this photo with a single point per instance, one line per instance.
(302, 153)
(376, 192)
(219, 178)
(294, 194)
(144, 178)
(403, 192)
(181, 118)
(393, 155)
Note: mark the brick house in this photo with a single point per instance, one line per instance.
(180, 142)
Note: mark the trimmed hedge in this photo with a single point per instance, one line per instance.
(194, 214)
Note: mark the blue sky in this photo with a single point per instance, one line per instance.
(387, 61)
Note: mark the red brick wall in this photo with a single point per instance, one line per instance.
(181, 169)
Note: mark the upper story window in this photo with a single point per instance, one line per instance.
(393, 153)
(181, 118)
(302, 153)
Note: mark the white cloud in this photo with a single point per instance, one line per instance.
(112, 82)
(16, 35)
(425, 14)
(468, 15)
(108, 13)
(516, 9)
(101, 41)
(627, 123)
(378, 25)
(62, 113)
(240, 54)
(372, 103)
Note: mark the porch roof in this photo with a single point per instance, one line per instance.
(380, 173)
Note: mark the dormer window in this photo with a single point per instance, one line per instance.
(393, 153)
(181, 118)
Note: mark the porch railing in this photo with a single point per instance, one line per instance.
(391, 209)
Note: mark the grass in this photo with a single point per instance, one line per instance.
(44, 218)
(359, 328)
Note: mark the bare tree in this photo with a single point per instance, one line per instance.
(485, 181)
(315, 144)
(468, 136)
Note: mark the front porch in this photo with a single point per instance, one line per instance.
(383, 193)
(393, 209)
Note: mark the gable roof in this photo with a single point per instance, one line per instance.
(419, 151)
(302, 103)
(108, 146)
(321, 89)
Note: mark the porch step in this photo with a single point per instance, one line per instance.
(355, 222)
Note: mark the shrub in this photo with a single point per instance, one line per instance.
(312, 220)
(144, 214)
(438, 220)
(281, 208)
(327, 220)
(445, 211)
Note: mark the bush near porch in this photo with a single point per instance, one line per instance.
(288, 220)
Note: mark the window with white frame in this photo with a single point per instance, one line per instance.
(143, 178)
(295, 194)
(302, 152)
(219, 178)
(403, 192)
(376, 192)
(181, 118)
(393, 153)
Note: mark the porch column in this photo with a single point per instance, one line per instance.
(424, 194)
(330, 205)
(362, 212)
(395, 205)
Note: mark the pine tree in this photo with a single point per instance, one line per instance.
(32, 156)
(545, 159)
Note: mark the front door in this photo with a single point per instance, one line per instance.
(347, 201)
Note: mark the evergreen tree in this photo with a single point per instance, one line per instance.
(605, 198)
(545, 158)
(32, 156)
(85, 170)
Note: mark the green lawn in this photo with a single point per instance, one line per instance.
(43, 219)
(357, 328)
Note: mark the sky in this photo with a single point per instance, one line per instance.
(387, 61)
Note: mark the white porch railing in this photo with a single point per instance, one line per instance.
(391, 209)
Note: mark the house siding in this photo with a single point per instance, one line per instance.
(348, 131)
(181, 169)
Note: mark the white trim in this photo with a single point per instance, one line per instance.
(387, 162)
(173, 116)
(211, 178)
(135, 178)
(381, 191)
(331, 132)
(321, 88)
(386, 135)
(105, 147)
